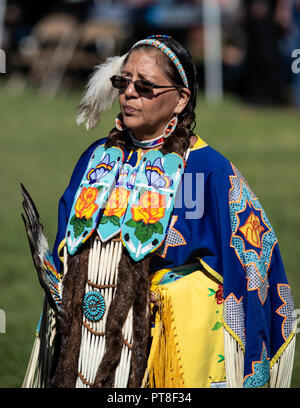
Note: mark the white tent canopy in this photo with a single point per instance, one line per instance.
(212, 51)
(2, 16)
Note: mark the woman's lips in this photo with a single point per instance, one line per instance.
(129, 110)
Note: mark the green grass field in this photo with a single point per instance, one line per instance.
(40, 144)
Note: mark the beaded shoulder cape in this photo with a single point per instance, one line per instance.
(218, 221)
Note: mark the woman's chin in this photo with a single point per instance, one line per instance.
(136, 128)
(131, 122)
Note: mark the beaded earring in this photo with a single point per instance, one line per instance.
(119, 124)
(171, 126)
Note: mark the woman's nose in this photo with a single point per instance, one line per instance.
(130, 91)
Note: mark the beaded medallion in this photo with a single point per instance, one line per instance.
(93, 306)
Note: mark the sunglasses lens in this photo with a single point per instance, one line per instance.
(143, 86)
(119, 82)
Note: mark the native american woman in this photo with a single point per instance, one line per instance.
(166, 271)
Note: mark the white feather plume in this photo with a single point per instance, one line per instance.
(100, 94)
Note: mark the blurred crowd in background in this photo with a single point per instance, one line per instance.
(53, 45)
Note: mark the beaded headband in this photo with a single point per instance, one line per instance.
(166, 50)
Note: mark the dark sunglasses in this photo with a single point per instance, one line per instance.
(142, 86)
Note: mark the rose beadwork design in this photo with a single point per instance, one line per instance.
(85, 205)
(93, 306)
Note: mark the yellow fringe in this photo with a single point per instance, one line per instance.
(164, 368)
(282, 348)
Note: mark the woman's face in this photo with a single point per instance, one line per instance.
(147, 116)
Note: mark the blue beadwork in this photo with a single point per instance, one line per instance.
(93, 306)
(261, 372)
(242, 199)
(159, 36)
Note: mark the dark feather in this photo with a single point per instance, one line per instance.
(40, 252)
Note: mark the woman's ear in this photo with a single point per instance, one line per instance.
(184, 97)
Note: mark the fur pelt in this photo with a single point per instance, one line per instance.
(132, 290)
(69, 321)
(141, 324)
